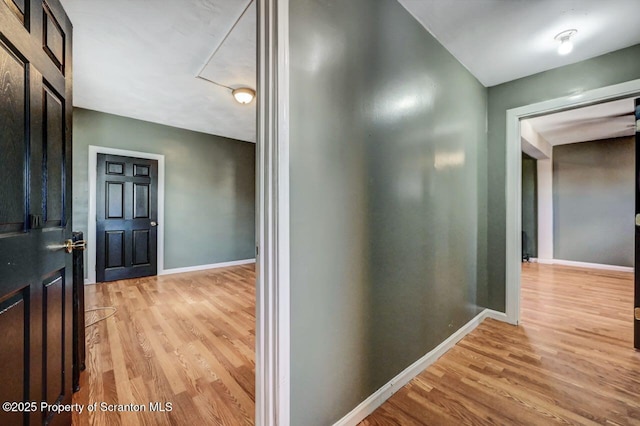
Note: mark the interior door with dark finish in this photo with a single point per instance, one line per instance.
(127, 211)
(636, 304)
(35, 211)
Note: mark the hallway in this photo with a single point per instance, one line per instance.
(570, 362)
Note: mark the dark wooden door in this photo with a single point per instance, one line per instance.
(35, 211)
(636, 304)
(127, 212)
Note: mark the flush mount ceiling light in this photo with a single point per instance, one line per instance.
(566, 45)
(244, 95)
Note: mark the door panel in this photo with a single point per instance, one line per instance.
(140, 170)
(115, 168)
(53, 326)
(35, 273)
(115, 200)
(127, 207)
(53, 38)
(13, 141)
(141, 201)
(13, 319)
(54, 158)
(141, 255)
(19, 8)
(115, 249)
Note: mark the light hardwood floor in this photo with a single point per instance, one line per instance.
(189, 339)
(184, 339)
(570, 362)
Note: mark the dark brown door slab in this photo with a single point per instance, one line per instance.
(35, 211)
(126, 217)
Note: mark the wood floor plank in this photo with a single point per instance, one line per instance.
(187, 339)
(571, 361)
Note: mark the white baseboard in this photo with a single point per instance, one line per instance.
(204, 267)
(369, 405)
(587, 265)
(195, 268)
(490, 313)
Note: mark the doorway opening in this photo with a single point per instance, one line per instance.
(578, 203)
(216, 66)
(578, 191)
(94, 153)
(514, 176)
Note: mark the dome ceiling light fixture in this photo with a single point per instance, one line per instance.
(566, 45)
(243, 95)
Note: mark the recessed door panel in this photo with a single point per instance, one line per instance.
(54, 38)
(115, 200)
(140, 247)
(53, 327)
(115, 168)
(115, 249)
(140, 170)
(13, 142)
(54, 160)
(13, 322)
(140, 200)
(19, 8)
(19, 4)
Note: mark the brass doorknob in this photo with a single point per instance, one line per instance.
(70, 246)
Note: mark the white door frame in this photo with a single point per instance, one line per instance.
(272, 221)
(93, 174)
(513, 176)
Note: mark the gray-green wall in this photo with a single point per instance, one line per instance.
(209, 185)
(530, 204)
(386, 129)
(594, 201)
(612, 68)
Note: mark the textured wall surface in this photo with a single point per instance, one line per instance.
(612, 68)
(209, 185)
(594, 201)
(386, 133)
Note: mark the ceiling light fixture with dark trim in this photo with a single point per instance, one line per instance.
(566, 45)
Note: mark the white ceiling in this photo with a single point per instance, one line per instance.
(234, 63)
(502, 40)
(602, 121)
(140, 59)
(155, 59)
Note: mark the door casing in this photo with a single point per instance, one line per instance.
(514, 171)
(273, 327)
(91, 231)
